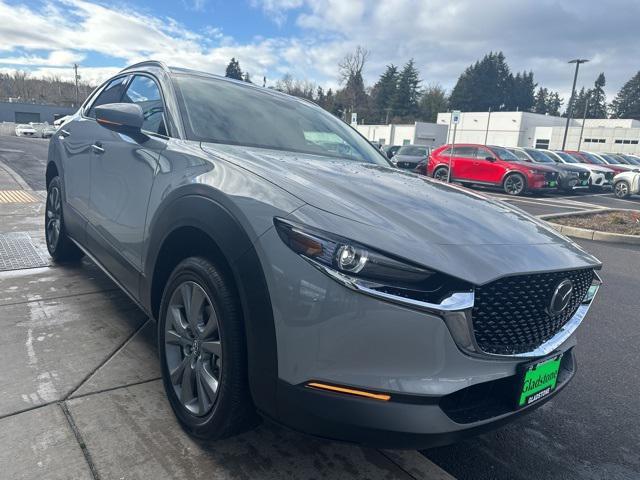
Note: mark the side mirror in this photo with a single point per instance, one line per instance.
(121, 117)
(490, 159)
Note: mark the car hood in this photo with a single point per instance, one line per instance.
(410, 215)
(538, 166)
(596, 168)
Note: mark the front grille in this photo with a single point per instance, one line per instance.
(609, 175)
(551, 175)
(511, 315)
(584, 175)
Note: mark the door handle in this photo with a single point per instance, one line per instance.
(97, 147)
(64, 133)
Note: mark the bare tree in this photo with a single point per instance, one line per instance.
(353, 63)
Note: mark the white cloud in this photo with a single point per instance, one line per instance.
(443, 38)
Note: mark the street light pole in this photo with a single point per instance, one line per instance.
(584, 118)
(577, 61)
(75, 70)
(486, 132)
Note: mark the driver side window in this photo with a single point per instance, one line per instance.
(112, 93)
(144, 91)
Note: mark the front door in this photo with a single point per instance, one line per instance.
(76, 154)
(488, 170)
(464, 157)
(123, 170)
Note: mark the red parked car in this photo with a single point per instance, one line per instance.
(586, 157)
(490, 165)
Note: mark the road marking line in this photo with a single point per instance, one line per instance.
(16, 196)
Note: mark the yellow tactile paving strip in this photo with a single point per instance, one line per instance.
(16, 196)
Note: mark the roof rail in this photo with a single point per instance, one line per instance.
(155, 63)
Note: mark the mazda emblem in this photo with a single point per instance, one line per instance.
(561, 297)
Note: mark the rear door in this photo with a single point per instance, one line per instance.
(123, 170)
(464, 162)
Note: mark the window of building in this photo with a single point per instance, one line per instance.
(406, 142)
(542, 143)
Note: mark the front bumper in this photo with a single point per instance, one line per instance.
(408, 421)
(327, 333)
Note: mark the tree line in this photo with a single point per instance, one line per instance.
(488, 84)
(398, 96)
(20, 86)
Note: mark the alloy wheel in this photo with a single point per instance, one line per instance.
(54, 217)
(514, 184)
(622, 189)
(193, 348)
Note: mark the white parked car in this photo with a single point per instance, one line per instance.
(61, 121)
(47, 131)
(601, 176)
(25, 131)
(626, 184)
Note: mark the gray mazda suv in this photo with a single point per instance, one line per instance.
(296, 275)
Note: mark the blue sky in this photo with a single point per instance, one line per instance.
(307, 38)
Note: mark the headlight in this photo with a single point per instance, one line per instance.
(536, 172)
(372, 272)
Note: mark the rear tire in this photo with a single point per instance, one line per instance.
(203, 352)
(60, 247)
(622, 189)
(441, 173)
(514, 184)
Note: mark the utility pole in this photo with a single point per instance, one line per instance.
(577, 61)
(584, 118)
(486, 133)
(76, 77)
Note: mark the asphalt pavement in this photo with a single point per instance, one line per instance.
(589, 431)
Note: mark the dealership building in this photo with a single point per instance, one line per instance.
(515, 129)
(18, 112)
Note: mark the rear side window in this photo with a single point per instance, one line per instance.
(111, 94)
(467, 152)
(521, 155)
(144, 91)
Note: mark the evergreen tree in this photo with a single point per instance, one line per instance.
(384, 92)
(405, 100)
(579, 102)
(320, 97)
(433, 101)
(485, 84)
(541, 101)
(626, 104)
(554, 103)
(233, 70)
(521, 92)
(597, 99)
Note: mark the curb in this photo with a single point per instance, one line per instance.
(15, 176)
(588, 234)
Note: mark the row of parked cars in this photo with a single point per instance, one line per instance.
(520, 170)
(33, 129)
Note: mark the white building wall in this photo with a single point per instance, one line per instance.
(598, 139)
(420, 133)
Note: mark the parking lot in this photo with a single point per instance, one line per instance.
(82, 395)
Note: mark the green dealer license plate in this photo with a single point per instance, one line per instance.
(553, 183)
(538, 380)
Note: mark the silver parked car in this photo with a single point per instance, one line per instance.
(295, 273)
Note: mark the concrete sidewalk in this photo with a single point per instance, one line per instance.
(82, 397)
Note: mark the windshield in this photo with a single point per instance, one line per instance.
(539, 156)
(413, 151)
(568, 158)
(620, 158)
(610, 159)
(632, 160)
(504, 154)
(219, 111)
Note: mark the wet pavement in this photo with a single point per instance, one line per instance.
(81, 395)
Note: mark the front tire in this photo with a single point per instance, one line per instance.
(622, 189)
(514, 184)
(60, 247)
(203, 351)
